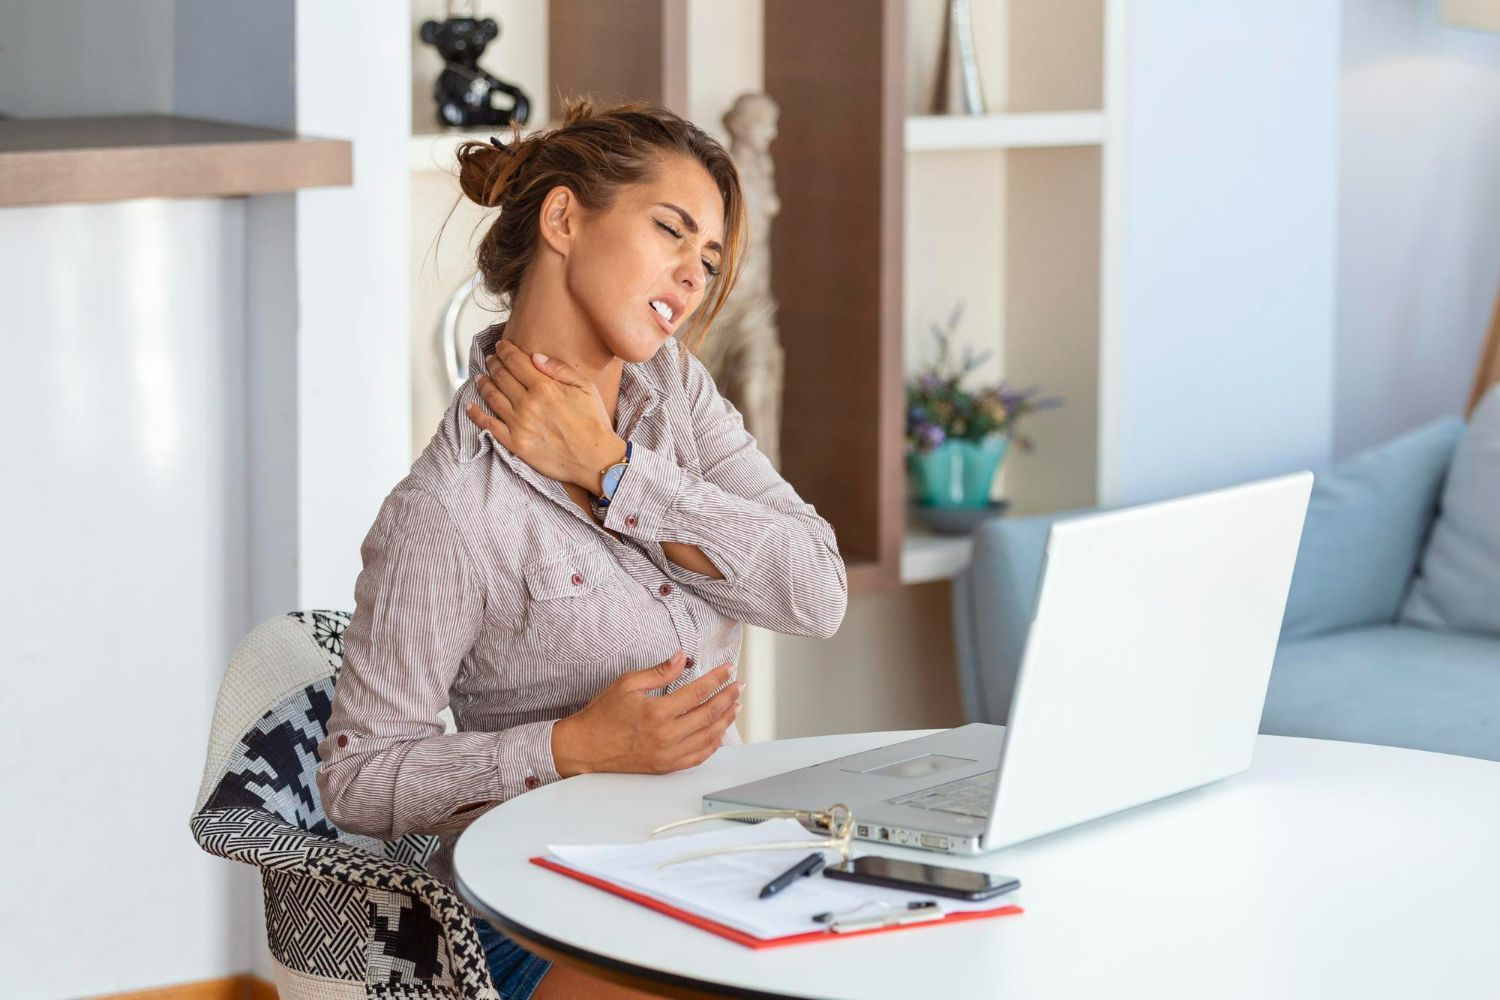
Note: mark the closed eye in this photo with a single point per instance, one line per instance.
(713, 272)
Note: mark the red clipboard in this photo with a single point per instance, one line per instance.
(740, 937)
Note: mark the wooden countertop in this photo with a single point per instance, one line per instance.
(48, 161)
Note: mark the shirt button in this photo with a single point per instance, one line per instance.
(690, 662)
(630, 521)
(664, 589)
(532, 781)
(343, 740)
(577, 579)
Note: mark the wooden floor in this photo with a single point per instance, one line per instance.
(245, 987)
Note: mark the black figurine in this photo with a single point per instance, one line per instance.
(465, 93)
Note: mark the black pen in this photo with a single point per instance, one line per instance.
(806, 866)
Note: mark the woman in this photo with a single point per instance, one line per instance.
(569, 636)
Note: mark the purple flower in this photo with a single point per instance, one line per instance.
(933, 435)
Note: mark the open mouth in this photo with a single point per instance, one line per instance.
(663, 313)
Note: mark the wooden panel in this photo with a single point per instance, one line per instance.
(47, 161)
(835, 68)
(611, 50)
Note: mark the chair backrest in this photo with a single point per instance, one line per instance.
(346, 915)
(272, 711)
(993, 597)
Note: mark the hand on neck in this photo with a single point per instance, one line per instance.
(565, 335)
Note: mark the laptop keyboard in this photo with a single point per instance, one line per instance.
(966, 797)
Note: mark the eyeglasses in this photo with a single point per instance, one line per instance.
(837, 821)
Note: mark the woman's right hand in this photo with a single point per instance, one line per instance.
(624, 730)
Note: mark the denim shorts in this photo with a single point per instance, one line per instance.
(515, 970)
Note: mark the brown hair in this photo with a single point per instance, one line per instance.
(593, 153)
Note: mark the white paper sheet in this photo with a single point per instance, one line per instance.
(726, 888)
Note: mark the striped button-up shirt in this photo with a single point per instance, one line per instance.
(485, 588)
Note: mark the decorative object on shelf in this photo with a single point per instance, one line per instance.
(743, 352)
(466, 94)
(957, 438)
(958, 90)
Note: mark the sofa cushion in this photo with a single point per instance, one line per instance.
(1458, 582)
(1397, 685)
(1367, 520)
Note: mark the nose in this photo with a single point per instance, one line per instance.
(688, 275)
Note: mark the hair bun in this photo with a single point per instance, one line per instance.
(487, 171)
(577, 109)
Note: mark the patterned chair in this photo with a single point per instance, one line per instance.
(346, 916)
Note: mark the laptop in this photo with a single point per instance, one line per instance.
(1144, 674)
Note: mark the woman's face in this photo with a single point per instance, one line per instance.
(657, 243)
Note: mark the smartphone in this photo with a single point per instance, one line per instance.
(915, 876)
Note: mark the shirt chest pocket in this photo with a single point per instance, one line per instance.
(578, 606)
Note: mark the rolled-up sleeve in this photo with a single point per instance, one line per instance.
(387, 768)
(781, 563)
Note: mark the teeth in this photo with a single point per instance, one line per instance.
(663, 308)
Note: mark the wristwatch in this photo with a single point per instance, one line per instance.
(612, 475)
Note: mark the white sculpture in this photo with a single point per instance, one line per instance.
(742, 351)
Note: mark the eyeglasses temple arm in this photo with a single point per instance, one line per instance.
(737, 814)
(790, 845)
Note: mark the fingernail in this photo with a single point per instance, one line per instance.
(743, 686)
(541, 358)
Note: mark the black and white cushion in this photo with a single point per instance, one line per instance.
(346, 916)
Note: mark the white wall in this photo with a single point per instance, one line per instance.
(1218, 332)
(1419, 216)
(123, 588)
(204, 402)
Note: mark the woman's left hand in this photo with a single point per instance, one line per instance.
(547, 414)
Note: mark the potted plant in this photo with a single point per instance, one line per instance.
(957, 437)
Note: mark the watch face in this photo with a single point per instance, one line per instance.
(612, 479)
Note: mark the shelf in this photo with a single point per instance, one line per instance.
(1021, 130)
(48, 161)
(926, 557)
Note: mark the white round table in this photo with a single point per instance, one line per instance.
(1327, 870)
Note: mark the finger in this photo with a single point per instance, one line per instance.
(559, 370)
(519, 364)
(689, 696)
(507, 383)
(705, 715)
(708, 745)
(497, 401)
(653, 677)
(484, 421)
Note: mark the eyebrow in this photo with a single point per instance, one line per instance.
(692, 225)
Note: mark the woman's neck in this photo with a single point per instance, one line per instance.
(568, 337)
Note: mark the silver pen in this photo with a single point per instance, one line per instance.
(887, 920)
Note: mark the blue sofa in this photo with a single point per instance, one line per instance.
(1346, 667)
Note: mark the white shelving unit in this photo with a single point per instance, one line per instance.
(1021, 130)
(927, 558)
(1006, 211)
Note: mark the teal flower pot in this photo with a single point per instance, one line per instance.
(958, 473)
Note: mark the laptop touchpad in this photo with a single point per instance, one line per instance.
(918, 767)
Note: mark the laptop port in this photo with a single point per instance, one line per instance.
(864, 831)
(933, 840)
(885, 834)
